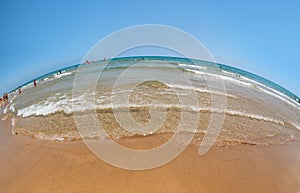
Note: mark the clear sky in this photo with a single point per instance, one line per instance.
(40, 36)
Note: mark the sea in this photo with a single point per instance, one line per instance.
(256, 111)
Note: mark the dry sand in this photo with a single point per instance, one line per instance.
(31, 165)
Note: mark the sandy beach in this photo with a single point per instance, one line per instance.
(32, 165)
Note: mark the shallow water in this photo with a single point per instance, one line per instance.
(256, 112)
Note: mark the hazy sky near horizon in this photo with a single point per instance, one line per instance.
(257, 36)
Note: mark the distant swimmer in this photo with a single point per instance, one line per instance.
(59, 72)
(20, 92)
(34, 82)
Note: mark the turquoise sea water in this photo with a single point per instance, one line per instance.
(213, 65)
(256, 109)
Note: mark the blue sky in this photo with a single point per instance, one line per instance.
(258, 36)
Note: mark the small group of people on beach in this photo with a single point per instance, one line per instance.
(4, 100)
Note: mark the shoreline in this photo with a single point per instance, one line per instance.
(32, 165)
(235, 129)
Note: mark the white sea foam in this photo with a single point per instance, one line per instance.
(248, 115)
(63, 74)
(202, 90)
(12, 107)
(219, 76)
(52, 105)
(27, 86)
(242, 80)
(274, 93)
(83, 105)
(5, 110)
(55, 137)
(192, 66)
(47, 79)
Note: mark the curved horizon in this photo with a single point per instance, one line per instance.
(224, 67)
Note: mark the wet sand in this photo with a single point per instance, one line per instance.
(32, 165)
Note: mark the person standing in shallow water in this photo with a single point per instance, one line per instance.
(5, 99)
(34, 82)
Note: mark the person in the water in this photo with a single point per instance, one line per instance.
(5, 99)
(34, 82)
